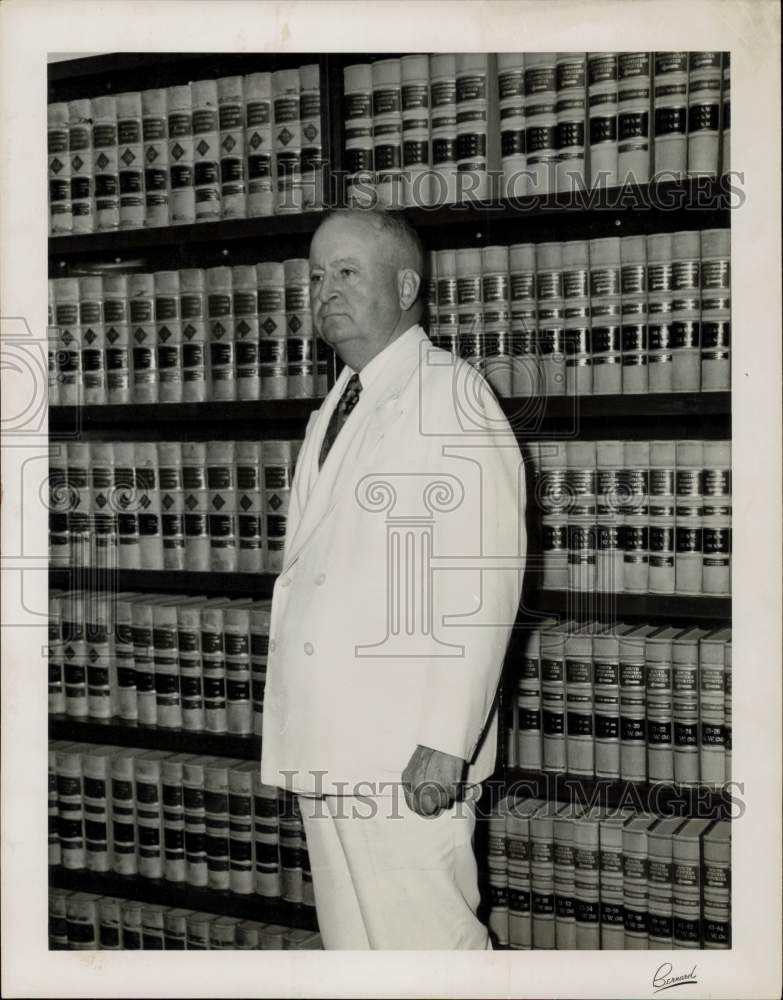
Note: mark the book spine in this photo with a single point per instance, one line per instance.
(312, 143)
(152, 933)
(109, 923)
(715, 310)
(278, 471)
(542, 883)
(58, 925)
(101, 663)
(106, 163)
(130, 919)
(190, 670)
(602, 100)
(611, 892)
(580, 486)
(587, 863)
(196, 500)
(443, 100)
(526, 380)
(358, 122)
(54, 653)
(576, 314)
(182, 199)
(287, 141)
(143, 663)
(511, 106)
(168, 708)
(635, 517)
(130, 157)
(195, 823)
(299, 330)
(258, 143)
(662, 517)
(704, 108)
(123, 809)
(216, 817)
(550, 310)
(291, 840)
(240, 830)
(634, 333)
(222, 933)
(689, 510)
(198, 932)
(245, 294)
(81, 911)
(250, 554)
(727, 711)
(634, 99)
(633, 745)
(231, 121)
(520, 929)
(416, 151)
(660, 721)
(117, 329)
(566, 900)
(221, 484)
(659, 312)
(206, 150)
(59, 502)
(154, 134)
(477, 125)
(541, 120)
(175, 930)
(608, 548)
(195, 360)
(635, 895)
(53, 832)
(172, 504)
(70, 807)
(266, 838)
(82, 165)
(145, 457)
(553, 705)
(93, 338)
(571, 112)
(272, 356)
(671, 115)
(59, 168)
(606, 692)
(497, 363)
(470, 307)
(52, 338)
(69, 354)
(127, 699)
(141, 310)
(173, 821)
(387, 131)
(97, 811)
(712, 752)
(580, 740)
(497, 868)
(259, 652)
(75, 659)
(725, 139)
(79, 510)
(530, 747)
(103, 511)
(686, 313)
(239, 707)
(220, 313)
(213, 664)
(168, 336)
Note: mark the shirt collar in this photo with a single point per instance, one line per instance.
(373, 369)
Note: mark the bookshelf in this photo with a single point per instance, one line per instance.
(696, 203)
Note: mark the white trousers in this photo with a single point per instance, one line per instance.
(386, 878)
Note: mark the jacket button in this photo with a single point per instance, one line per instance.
(285, 582)
(308, 648)
(272, 645)
(320, 578)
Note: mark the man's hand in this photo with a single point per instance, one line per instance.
(431, 780)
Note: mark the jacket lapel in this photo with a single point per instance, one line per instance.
(354, 447)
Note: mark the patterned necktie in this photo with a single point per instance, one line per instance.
(348, 400)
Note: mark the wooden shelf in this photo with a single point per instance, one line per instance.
(129, 734)
(256, 585)
(529, 416)
(666, 800)
(179, 894)
(616, 607)
(694, 203)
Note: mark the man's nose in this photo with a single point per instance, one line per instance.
(329, 288)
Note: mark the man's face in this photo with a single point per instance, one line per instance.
(353, 284)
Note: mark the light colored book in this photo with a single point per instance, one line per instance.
(106, 211)
(130, 160)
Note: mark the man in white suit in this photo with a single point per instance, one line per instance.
(388, 633)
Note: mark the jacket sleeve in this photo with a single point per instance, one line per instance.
(474, 609)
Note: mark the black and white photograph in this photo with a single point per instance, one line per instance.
(391, 498)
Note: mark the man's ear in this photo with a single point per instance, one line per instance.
(408, 282)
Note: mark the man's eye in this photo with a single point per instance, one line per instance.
(315, 278)
(345, 271)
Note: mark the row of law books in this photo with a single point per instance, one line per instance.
(176, 662)
(641, 703)
(563, 877)
(230, 148)
(206, 822)
(633, 314)
(85, 921)
(634, 516)
(432, 129)
(187, 336)
(198, 506)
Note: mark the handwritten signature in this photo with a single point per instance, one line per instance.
(663, 980)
